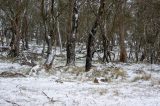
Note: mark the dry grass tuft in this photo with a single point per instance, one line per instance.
(143, 76)
(9, 74)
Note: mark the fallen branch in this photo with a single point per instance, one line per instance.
(13, 103)
(50, 99)
(60, 67)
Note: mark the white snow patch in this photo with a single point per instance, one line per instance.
(63, 89)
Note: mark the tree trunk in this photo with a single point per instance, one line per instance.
(15, 41)
(58, 28)
(59, 36)
(105, 39)
(50, 55)
(15, 23)
(48, 38)
(71, 43)
(123, 53)
(91, 37)
(25, 33)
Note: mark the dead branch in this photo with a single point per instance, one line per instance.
(13, 103)
(49, 98)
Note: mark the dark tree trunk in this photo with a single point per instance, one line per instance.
(25, 33)
(105, 40)
(15, 23)
(71, 43)
(123, 53)
(12, 52)
(143, 56)
(69, 25)
(105, 47)
(90, 50)
(15, 41)
(91, 37)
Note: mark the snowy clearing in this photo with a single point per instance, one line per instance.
(68, 89)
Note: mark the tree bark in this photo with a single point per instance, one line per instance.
(91, 37)
(123, 53)
(59, 36)
(71, 43)
(25, 33)
(48, 38)
(15, 41)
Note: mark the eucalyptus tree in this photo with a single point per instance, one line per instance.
(14, 12)
(91, 36)
(73, 25)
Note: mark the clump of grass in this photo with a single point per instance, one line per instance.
(108, 74)
(155, 81)
(8, 74)
(74, 69)
(100, 91)
(118, 73)
(116, 93)
(144, 76)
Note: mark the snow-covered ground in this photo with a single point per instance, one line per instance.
(64, 88)
(110, 84)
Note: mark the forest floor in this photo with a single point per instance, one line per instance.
(110, 84)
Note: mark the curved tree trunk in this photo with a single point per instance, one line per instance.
(91, 37)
